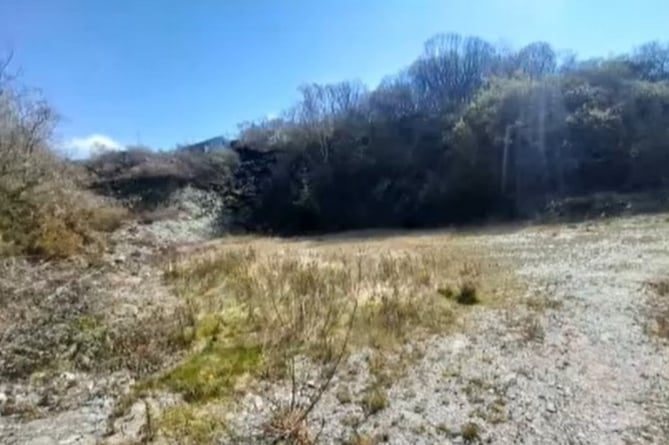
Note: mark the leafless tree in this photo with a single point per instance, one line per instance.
(652, 61)
(394, 98)
(451, 69)
(537, 59)
(322, 106)
(26, 126)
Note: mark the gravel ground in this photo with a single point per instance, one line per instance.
(572, 366)
(580, 369)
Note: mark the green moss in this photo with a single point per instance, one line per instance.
(87, 323)
(213, 371)
(188, 424)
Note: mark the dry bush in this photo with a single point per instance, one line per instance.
(289, 426)
(58, 224)
(41, 210)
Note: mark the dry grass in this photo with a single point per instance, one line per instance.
(659, 308)
(289, 426)
(255, 305)
(190, 425)
(274, 300)
(375, 399)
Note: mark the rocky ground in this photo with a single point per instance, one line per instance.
(573, 361)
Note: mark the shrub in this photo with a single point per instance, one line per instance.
(42, 209)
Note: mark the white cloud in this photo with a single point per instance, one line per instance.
(84, 147)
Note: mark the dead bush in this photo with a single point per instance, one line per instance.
(41, 207)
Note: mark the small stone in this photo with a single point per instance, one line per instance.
(551, 408)
(258, 402)
(70, 379)
(510, 379)
(42, 440)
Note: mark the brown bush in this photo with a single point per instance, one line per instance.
(42, 208)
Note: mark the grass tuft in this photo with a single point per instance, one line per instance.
(659, 308)
(470, 432)
(375, 399)
(190, 425)
(289, 426)
(212, 372)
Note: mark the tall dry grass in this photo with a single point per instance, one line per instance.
(254, 304)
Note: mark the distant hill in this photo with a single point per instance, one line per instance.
(208, 145)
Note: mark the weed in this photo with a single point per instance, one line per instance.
(375, 399)
(659, 309)
(497, 412)
(466, 294)
(189, 424)
(531, 329)
(289, 426)
(470, 432)
(541, 303)
(474, 390)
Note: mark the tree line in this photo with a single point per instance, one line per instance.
(467, 131)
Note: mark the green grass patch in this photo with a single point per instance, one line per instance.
(190, 425)
(212, 372)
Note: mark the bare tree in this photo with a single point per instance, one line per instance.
(26, 125)
(451, 69)
(322, 106)
(537, 59)
(394, 98)
(651, 61)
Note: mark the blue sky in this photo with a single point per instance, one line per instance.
(164, 72)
